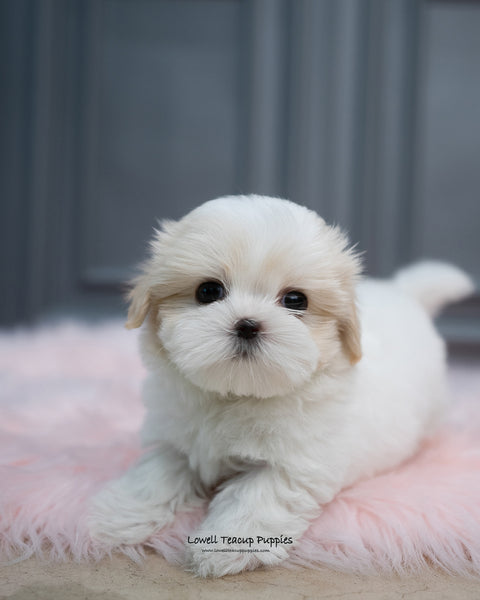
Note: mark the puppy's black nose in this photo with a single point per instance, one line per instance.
(247, 329)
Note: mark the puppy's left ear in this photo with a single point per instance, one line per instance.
(349, 328)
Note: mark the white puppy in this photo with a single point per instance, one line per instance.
(276, 379)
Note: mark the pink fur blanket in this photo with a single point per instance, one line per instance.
(71, 410)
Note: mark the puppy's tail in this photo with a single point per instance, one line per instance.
(434, 284)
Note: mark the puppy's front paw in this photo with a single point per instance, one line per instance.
(219, 560)
(143, 500)
(122, 519)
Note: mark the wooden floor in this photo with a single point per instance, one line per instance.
(120, 579)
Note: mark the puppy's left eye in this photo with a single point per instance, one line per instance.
(295, 300)
(209, 291)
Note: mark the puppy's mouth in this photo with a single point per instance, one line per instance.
(245, 350)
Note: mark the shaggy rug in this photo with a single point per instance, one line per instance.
(70, 412)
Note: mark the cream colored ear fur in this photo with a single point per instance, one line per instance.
(144, 288)
(349, 328)
(140, 304)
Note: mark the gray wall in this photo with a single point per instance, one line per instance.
(118, 112)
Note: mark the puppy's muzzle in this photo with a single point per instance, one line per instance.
(247, 329)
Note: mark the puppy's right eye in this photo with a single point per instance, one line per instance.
(209, 291)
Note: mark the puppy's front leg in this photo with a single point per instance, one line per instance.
(264, 503)
(129, 509)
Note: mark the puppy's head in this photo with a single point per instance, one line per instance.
(250, 296)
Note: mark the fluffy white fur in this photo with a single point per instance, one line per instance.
(271, 429)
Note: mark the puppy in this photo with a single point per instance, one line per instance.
(276, 378)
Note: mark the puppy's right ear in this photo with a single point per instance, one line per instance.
(146, 288)
(140, 298)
